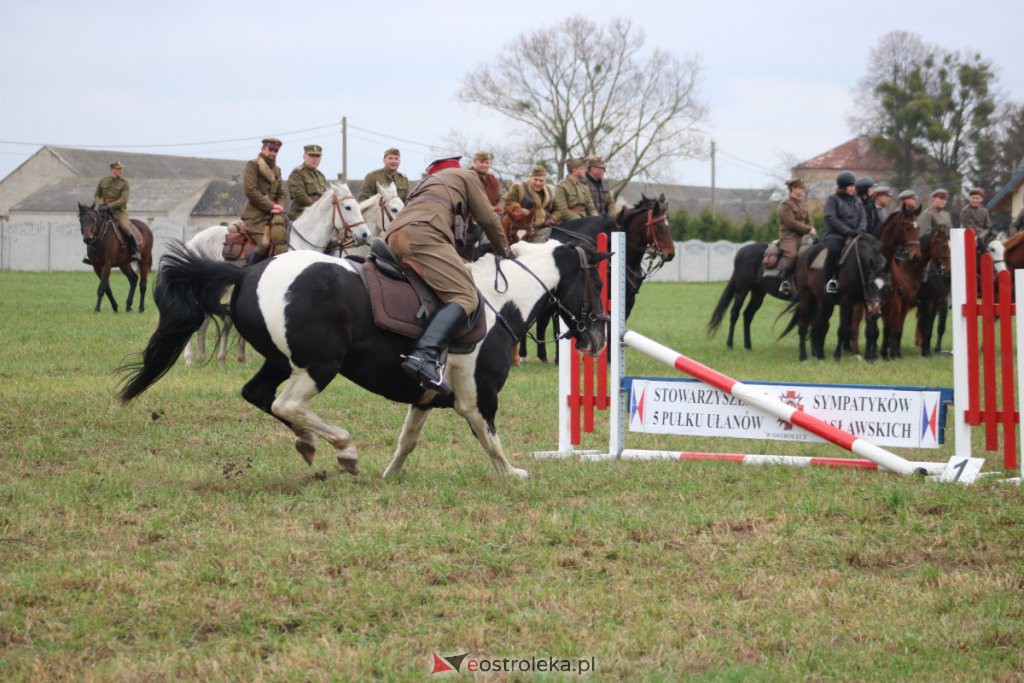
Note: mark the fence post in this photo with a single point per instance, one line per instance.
(961, 401)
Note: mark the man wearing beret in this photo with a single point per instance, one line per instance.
(535, 194)
(604, 202)
(975, 215)
(572, 198)
(385, 176)
(112, 193)
(305, 183)
(935, 217)
(263, 213)
(423, 238)
(794, 223)
(492, 188)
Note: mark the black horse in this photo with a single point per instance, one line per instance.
(647, 232)
(105, 252)
(747, 278)
(933, 297)
(863, 279)
(309, 315)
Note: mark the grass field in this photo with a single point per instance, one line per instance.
(183, 537)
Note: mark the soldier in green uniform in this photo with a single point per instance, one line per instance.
(423, 240)
(263, 213)
(794, 223)
(385, 176)
(975, 215)
(305, 183)
(112, 192)
(572, 198)
(537, 195)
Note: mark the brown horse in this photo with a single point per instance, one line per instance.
(515, 219)
(901, 246)
(933, 297)
(106, 251)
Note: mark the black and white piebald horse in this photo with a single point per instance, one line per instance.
(309, 315)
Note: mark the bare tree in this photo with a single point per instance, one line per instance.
(893, 60)
(581, 89)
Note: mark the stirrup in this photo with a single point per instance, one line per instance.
(784, 287)
(832, 287)
(414, 367)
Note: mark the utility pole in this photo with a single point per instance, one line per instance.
(712, 176)
(344, 149)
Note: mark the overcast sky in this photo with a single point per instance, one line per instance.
(776, 76)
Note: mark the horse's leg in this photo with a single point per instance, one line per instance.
(853, 338)
(293, 405)
(479, 408)
(887, 333)
(871, 338)
(756, 299)
(843, 333)
(407, 440)
(820, 329)
(104, 288)
(143, 276)
(198, 340)
(541, 330)
(734, 312)
(133, 280)
(925, 321)
(900, 321)
(241, 349)
(260, 390)
(943, 312)
(222, 341)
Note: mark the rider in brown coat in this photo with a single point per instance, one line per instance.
(423, 239)
(794, 223)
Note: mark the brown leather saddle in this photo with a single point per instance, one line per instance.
(239, 243)
(403, 303)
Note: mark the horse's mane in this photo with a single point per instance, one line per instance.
(1013, 241)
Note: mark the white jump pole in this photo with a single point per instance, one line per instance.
(958, 286)
(754, 397)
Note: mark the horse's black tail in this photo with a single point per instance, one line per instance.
(189, 287)
(723, 303)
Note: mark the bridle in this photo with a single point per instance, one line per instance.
(652, 251)
(587, 317)
(905, 248)
(340, 235)
(101, 226)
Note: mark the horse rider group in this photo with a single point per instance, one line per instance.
(859, 205)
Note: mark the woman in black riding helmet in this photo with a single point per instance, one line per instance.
(844, 217)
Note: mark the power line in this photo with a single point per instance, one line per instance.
(172, 144)
(393, 137)
(749, 163)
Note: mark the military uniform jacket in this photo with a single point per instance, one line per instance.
(385, 178)
(263, 188)
(491, 188)
(932, 219)
(975, 218)
(794, 223)
(114, 193)
(429, 206)
(305, 186)
(570, 194)
(600, 194)
(524, 196)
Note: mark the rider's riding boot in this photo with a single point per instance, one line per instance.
(784, 288)
(832, 287)
(133, 246)
(426, 360)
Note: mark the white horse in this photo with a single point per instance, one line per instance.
(378, 210)
(331, 221)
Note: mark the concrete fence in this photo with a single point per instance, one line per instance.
(58, 246)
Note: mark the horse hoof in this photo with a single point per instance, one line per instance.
(128, 310)
(306, 449)
(520, 473)
(349, 465)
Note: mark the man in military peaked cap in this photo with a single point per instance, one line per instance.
(385, 176)
(112, 192)
(572, 198)
(305, 183)
(263, 212)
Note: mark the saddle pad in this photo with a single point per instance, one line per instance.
(771, 255)
(819, 261)
(238, 245)
(395, 305)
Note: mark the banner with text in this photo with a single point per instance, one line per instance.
(911, 418)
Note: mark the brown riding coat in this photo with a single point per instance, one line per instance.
(794, 223)
(422, 239)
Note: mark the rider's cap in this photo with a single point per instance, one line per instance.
(116, 164)
(883, 189)
(941, 192)
(907, 194)
(482, 155)
(596, 162)
(538, 171)
(795, 182)
(272, 141)
(977, 191)
(573, 164)
(313, 150)
(441, 164)
(392, 152)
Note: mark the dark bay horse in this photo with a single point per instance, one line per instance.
(863, 279)
(309, 315)
(901, 247)
(105, 252)
(933, 296)
(647, 234)
(747, 278)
